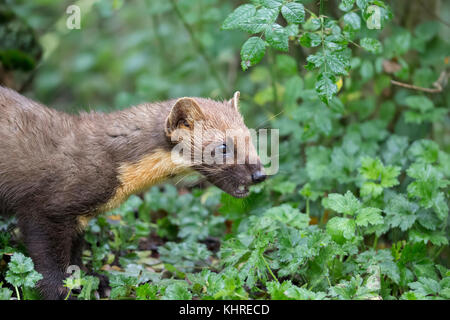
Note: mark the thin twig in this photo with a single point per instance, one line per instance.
(438, 85)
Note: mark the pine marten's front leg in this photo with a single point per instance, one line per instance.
(76, 253)
(49, 242)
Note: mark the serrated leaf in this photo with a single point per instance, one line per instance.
(238, 16)
(21, 271)
(310, 39)
(372, 45)
(277, 37)
(346, 5)
(437, 238)
(176, 292)
(326, 87)
(368, 216)
(261, 21)
(425, 286)
(362, 4)
(272, 4)
(400, 212)
(352, 20)
(440, 206)
(336, 62)
(373, 169)
(347, 204)
(428, 182)
(252, 52)
(424, 151)
(293, 12)
(341, 229)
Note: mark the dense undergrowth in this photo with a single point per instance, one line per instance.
(359, 207)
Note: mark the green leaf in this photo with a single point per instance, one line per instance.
(336, 62)
(293, 12)
(437, 238)
(400, 212)
(373, 169)
(285, 187)
(177, 292)
(366, 70)
(333, 62)
(362, 4)
(427, 30)
(288, 215)
(252, 52)
(440, 206)
(310, 39)
(421, 103)
(286, 65)
(341, 229)
(326, 87)
(5, 294)
(346, 5)
(372, 45)
(428, 182)
(238, 16)
(272, 4)
(89, 284)
(347, 204)
(277, 37)
(368, 216)
(425, 286)
(262, 20)
(426, 151)
(352, 20)
(21, 271)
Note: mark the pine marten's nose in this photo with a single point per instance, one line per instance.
(258, 176)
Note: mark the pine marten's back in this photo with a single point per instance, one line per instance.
(30, 144)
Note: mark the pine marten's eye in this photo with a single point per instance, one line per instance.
(183, 123)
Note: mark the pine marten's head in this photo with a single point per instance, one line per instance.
(212, 138)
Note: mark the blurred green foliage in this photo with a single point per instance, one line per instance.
(359, 207)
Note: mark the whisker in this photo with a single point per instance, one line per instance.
(272, 117)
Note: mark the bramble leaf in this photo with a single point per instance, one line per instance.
(252, 52)
(372, 45)
(238, 16)
(293, 12)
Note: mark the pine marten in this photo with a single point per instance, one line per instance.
(58, 170)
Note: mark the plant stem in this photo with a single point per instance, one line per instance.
(375, 243)
(200, 49)
(268, 268)
(307, 206)
(68, 294)
(322, 218)
(329, 282)
(438, 253)
(17, 292)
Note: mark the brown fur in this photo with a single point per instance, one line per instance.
(59, 170)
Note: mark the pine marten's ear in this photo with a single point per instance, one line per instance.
(183, 115)
(235, 100)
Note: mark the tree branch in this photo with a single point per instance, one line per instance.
(438, 84)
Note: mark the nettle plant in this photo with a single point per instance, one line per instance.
(310, 30)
